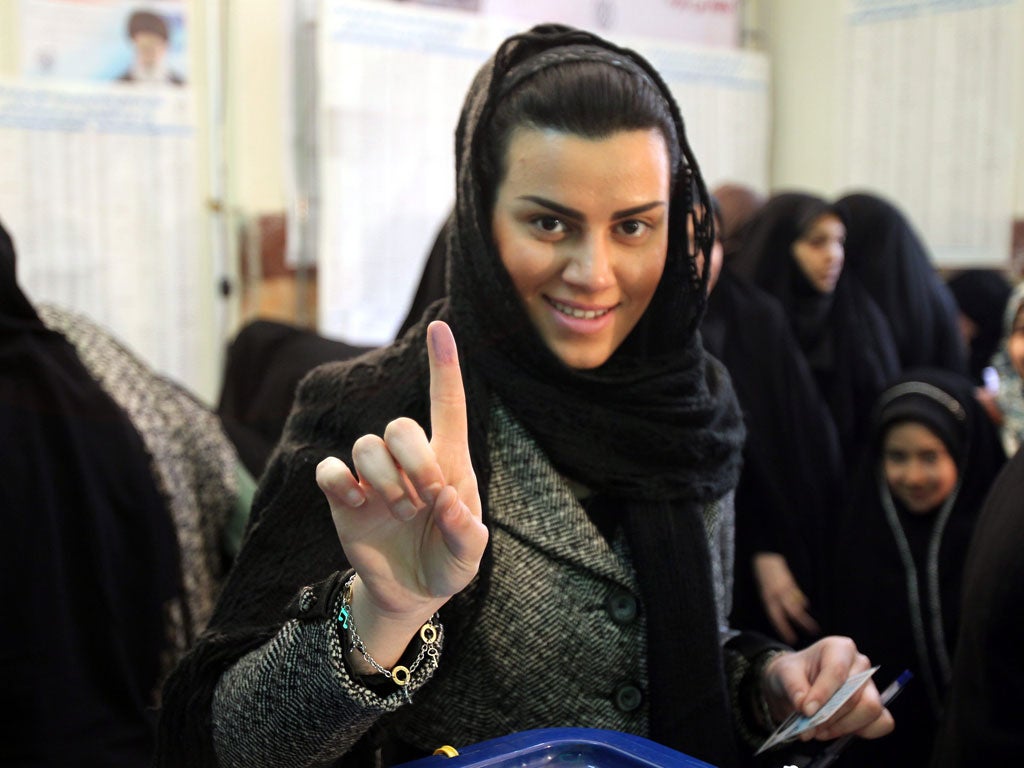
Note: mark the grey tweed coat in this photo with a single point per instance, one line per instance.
(556, 644)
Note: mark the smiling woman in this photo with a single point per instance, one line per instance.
(585, 266)
(553, 495)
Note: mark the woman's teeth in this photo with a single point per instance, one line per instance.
(582, 314)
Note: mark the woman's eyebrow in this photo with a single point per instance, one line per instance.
(627, 212)
(572, 213)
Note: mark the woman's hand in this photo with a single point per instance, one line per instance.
(805, 680)
(410, 524)
(784, 601)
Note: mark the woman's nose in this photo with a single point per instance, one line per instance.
(590, 264)
(836, 252)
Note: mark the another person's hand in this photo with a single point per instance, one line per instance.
(805, 680)
(410, 524)
(988, 401)
(784, 601)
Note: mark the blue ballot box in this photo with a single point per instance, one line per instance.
(562, 748)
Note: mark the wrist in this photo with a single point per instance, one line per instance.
(774, 707)
(374, 640)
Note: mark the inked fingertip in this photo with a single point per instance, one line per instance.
(441, 342)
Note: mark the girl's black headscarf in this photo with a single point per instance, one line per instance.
(89, 559)
(892, 263)
(657, 428)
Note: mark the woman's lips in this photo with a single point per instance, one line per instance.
(580, 318)
(578, 312)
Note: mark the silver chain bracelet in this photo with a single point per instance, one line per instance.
(430, 635)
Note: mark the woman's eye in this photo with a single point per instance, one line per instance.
(633, 228)
(549, 225)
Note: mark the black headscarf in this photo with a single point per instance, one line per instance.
(844, 336)
(89, 560)
(892, 262)
(981, 295)
(898, 574)
(656, 427)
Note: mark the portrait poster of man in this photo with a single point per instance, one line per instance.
(142, 42)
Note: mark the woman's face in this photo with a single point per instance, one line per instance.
(582, 228)
(819, 252)
(918, 468)
(1015, 344)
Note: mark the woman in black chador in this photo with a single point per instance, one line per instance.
(892, 263)
(796, 242)
(89, 566)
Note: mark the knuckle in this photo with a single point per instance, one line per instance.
(449, 397)
(367, 451)
(401, 428)
(365, 445)
(845, 647)
(324, 471)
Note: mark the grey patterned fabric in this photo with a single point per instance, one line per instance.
(557, 577)
(195, 465)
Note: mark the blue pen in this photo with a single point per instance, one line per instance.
(829, 755)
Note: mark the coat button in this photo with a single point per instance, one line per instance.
(307, 599)
(627, 697)
(621, 607)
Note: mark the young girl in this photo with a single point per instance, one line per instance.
(540, 536)
(900, 553)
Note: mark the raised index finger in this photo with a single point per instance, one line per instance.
(448, 424)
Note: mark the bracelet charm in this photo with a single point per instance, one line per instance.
(430, 635)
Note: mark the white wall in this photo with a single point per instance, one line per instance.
(805, 43)
(963, 180)
(255, 103)
(803, 38)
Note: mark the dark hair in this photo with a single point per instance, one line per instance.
(147, 21)
(593, 99)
